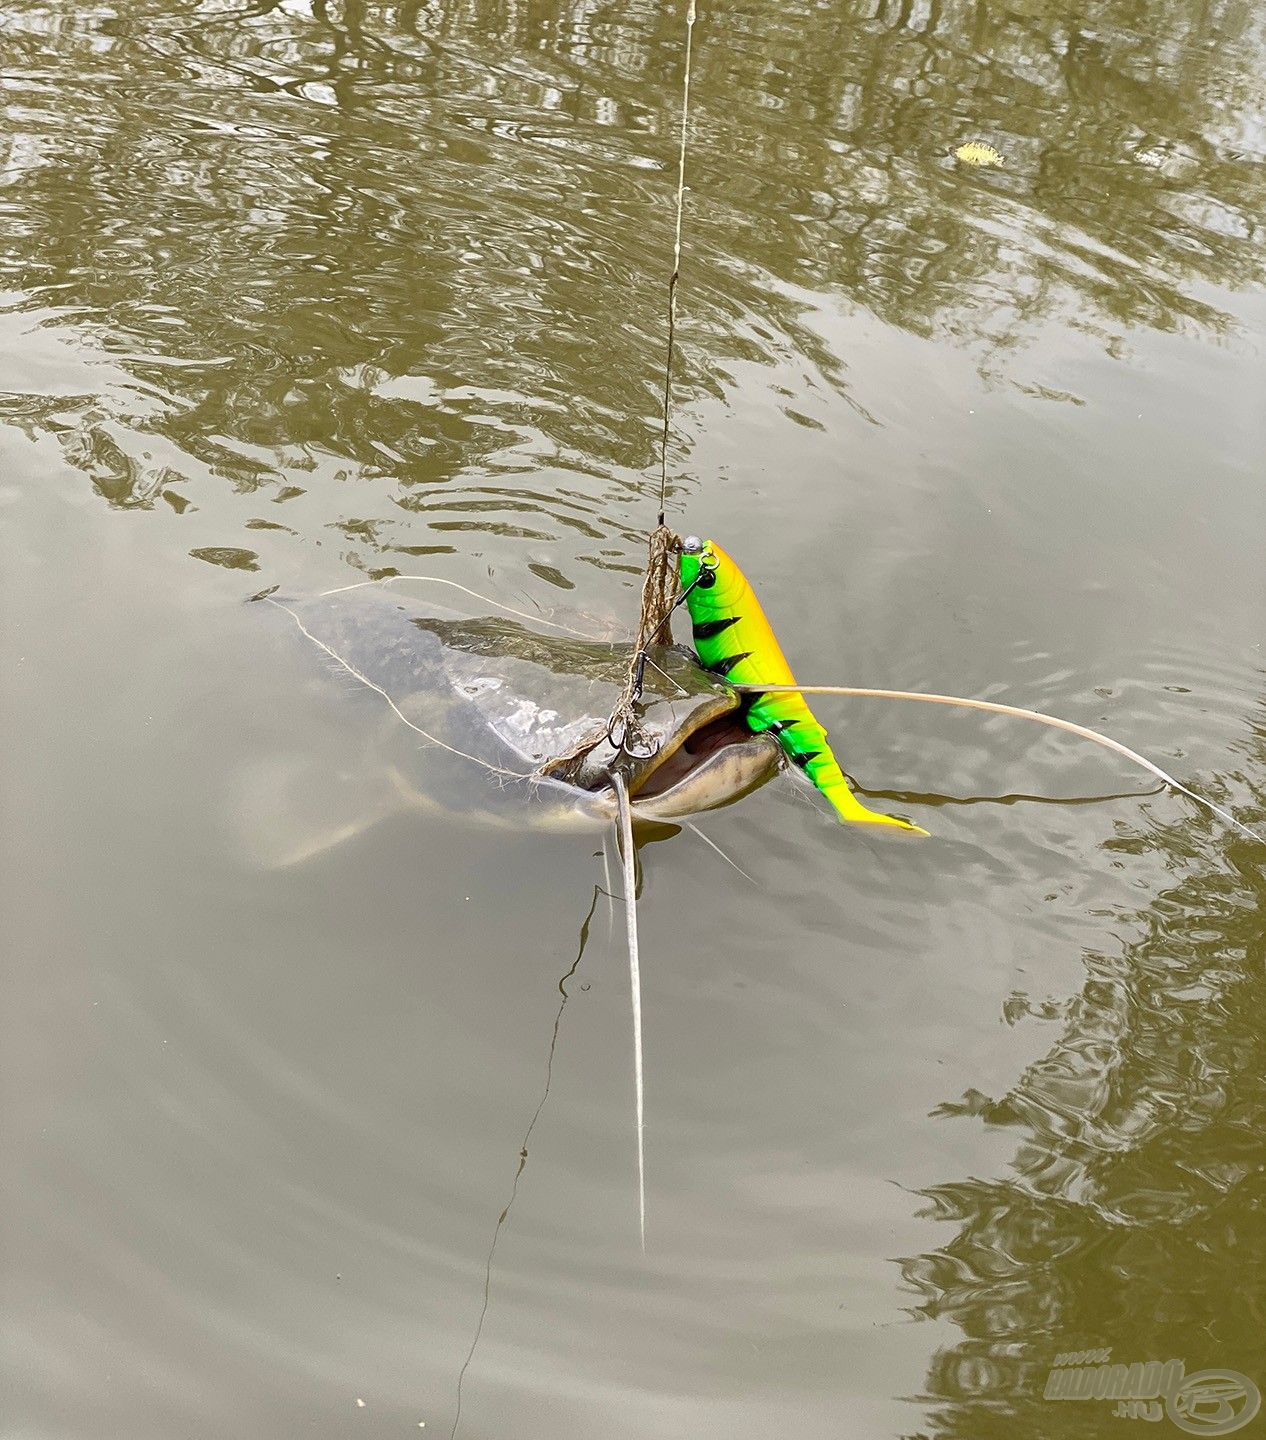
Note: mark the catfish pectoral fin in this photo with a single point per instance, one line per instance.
(288, 809)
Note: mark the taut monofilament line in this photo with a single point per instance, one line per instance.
(660, 583)
(676, 271)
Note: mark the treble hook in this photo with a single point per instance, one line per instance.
(649, 745)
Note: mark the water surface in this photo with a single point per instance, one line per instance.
(301, 293)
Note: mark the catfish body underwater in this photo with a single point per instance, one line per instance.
(483, 716)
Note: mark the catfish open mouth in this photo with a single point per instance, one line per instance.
(689, 750)
(702, 754)
(710, 759)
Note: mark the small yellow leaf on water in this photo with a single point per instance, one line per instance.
(976, 152)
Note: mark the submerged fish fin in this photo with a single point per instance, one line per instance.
(289, 809)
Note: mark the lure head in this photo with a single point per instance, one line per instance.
(710, 580)
(698, 564)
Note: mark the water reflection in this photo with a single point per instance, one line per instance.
(1133, 1214)
(406, 263)
(523, 1156)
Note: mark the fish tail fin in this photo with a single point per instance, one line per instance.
(850, 810)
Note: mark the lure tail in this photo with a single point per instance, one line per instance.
(734, 640)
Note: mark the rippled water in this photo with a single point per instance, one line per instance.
(298, 293)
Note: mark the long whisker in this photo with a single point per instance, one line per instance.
(606, 875)
(1017, 712)
(378, 690)
(487, 600)
(707, 840)
(635, 981)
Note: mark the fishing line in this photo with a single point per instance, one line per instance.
(635, 979)
(994, 707)
(676, 275)
(660, 582)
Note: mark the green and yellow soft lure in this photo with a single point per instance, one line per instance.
(735, 642)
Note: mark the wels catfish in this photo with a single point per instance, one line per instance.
(505, 723)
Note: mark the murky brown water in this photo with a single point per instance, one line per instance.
(297, 293)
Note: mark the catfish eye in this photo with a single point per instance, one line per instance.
(707, 577)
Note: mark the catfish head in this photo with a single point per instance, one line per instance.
(690, 751)
(453, 692)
